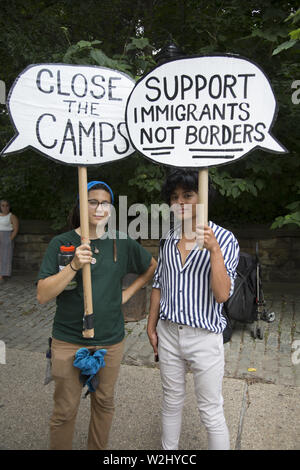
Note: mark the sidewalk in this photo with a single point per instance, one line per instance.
(261, 406)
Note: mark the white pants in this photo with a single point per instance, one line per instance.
(204, 352)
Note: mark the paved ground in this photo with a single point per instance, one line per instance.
(26, 325)
(261, 404)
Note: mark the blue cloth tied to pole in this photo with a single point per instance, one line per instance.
(89, 363)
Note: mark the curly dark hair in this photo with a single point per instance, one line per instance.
(186, 179)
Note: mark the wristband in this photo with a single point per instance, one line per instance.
(75, 270)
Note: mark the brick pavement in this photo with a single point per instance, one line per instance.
(26, 325)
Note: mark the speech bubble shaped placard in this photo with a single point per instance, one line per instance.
(202, 111)
(71, 113)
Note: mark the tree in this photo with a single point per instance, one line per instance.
(126, 34)
(294, 216)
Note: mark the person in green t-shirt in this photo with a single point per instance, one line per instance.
(111, 255)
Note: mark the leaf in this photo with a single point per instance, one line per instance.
(295, 34)
(284, 46)
(294, 16)
(242, 185)
(278, 223)
(83, 44)
(268, 35)
(260, 184)
(235, 192)
(138, 43)
(293, 205)
(100, 58)
(96, 42)
(293, 218)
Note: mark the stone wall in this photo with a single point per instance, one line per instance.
(30, 245)
(279, 250)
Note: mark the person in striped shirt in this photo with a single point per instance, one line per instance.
(194, 277)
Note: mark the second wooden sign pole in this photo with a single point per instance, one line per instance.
(203, 194)
(88, 331)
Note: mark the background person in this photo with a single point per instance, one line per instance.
(185, 322)
(9, 227)
(111, 260)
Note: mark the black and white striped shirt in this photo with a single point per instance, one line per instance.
(186, 296)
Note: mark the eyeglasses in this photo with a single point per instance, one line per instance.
(104, 205)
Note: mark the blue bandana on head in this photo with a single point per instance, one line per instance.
(93, 183)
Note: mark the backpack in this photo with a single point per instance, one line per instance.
(241, 306)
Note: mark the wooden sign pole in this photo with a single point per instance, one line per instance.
(203, 194)
(88, 332)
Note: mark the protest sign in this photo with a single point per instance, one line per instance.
(70, 113)
(76, 116)
(202, 111)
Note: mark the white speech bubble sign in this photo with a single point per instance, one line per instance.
(202, 111)
(71, 113)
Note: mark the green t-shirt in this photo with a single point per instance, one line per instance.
(106, 277)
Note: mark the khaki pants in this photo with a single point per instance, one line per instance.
(68, 391)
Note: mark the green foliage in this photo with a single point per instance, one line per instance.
(294, 34)
(285, 45)
(233, 187)
(148, 179)
(289, 219)
(39, 188)
(293, 217)
(135, 61)
(87, 52)
(125, 35)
